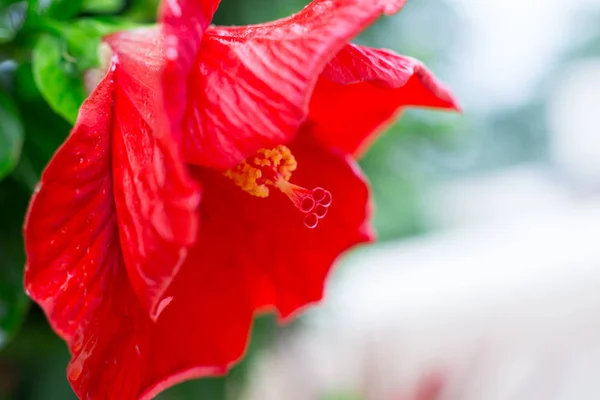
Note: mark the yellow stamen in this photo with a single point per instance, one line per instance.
(266, 167)
(274, 167)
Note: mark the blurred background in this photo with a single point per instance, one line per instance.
(485, 283)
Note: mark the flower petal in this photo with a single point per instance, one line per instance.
(77, 273)
(251, 253)
(124, 355)
(156, 199)
(250, 86)
(265, 240)
(71, 221)
(184, 23)
(362, 90)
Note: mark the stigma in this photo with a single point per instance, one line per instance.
(273, 168)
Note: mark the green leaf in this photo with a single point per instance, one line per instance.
(85, 35)
(57, 76)
(102, 6)
(12, 18)
(34, 15)
(142, 10)
(55, 9)
(60, 62)
(11, 135)
(13, 302)
(43, 134)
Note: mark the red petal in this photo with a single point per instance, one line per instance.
(77, 273)
(71, 222)
(250, 86)
(156, 200)
(184, 23)
(251, 253)
(265, 240)
(123, 355)
(362, 89)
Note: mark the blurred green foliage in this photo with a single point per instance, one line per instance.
(61, 59)
(57, 76)
(13, 302)
(11, 135)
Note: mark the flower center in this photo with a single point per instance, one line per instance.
(273, 168)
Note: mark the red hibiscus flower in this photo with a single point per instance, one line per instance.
(210, 174)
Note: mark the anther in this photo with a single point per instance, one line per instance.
(273, 168)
